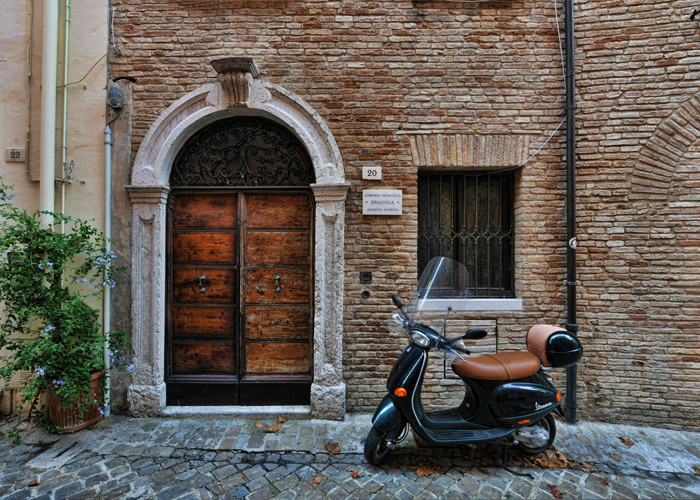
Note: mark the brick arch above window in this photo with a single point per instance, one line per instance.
(469, 151)
(662, 153)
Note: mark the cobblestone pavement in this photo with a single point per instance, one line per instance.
(201, 458)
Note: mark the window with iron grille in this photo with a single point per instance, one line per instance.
(469, 218)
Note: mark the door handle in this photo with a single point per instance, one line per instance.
(277, 283)
(200, 283)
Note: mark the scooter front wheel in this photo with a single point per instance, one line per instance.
(376, 446)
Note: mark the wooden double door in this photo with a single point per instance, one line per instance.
(239, 314)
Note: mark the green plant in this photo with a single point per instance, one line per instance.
(15, 435)
(49, 278)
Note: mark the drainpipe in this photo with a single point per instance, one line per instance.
(571, 325)
(30, 39)
(107, 307)
(64, 131)
(48, 111)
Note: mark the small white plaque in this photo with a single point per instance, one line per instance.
(15, 154)
(373, 173)
(382, 202)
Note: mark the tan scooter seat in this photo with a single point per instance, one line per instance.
(499, 366)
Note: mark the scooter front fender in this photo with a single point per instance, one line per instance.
(387, 416)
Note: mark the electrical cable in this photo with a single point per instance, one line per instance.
(86, 74)
(561, 50)
(563, 72)
(114, 38)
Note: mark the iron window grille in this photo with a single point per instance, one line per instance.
(469, 218)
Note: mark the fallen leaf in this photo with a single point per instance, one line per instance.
(273, 428)
(555, 492)
(354, 474)
(259, 425)
(615, 457)
(333, 448)
(550, 459)
(318, 480)
(33, 483)
(697, 469)
(588, 468)
(424, 471)
(601, 480)
(281, 420)
(626, 440)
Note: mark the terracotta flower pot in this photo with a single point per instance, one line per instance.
(67, 420)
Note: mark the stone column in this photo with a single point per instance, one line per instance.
(328, 388)
(146, 395)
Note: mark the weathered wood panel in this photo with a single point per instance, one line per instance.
(204, 248)
(203, 358)
(294, 283)
(206, 211)
(279, 211)
(210, 321)
(278, 358)
(271, 248)
(220, 285)
(278, 322)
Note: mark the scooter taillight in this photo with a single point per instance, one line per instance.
(401, 392)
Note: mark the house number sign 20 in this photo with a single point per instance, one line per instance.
(14, 154)
(373, 173)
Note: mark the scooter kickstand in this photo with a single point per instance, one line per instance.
(504, 462)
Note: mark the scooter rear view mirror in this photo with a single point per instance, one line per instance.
(475, 334)
(397, 301)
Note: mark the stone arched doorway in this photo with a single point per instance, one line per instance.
(239, 267)
(238, 93)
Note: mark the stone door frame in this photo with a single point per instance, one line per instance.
(238, 92)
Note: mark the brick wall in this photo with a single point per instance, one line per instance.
(638, 130)
(391, 77)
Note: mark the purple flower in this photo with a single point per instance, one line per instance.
(130, 368)
(45, 331)
(39, 371)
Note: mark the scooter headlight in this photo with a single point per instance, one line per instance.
(420, 338)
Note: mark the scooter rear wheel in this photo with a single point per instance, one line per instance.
(376, 449)
(547, 425)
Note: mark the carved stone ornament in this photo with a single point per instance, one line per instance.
(235, 74)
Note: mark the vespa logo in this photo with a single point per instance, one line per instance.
(540, 407)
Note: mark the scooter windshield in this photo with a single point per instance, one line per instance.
(442, 278)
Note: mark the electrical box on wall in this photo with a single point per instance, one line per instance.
(115, 98)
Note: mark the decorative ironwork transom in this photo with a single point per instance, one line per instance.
(242, 151)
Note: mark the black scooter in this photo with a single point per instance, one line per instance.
(508, 397)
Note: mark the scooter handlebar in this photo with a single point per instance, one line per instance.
(450, 344)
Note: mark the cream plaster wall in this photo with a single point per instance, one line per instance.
(86, 102)
(88, 45)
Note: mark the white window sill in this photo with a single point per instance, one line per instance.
(474, 304)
